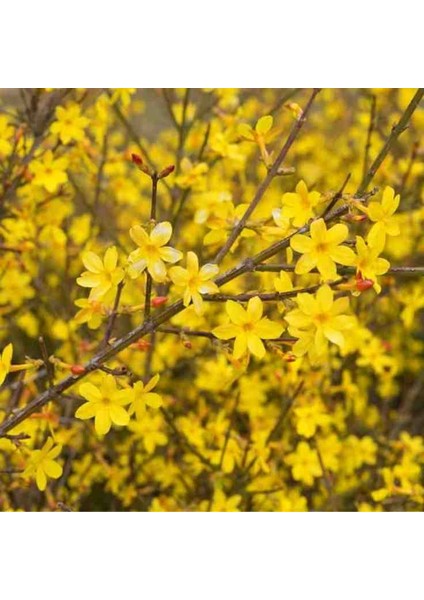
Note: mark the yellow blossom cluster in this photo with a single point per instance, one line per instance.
(211, 300)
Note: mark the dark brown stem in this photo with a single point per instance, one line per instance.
(397, 130)
(266, 182)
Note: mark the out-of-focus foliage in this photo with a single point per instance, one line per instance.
(250, 401)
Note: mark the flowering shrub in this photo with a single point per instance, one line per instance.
(211, 300)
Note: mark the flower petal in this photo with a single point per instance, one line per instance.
(236, 312)
(92, 262)
(161, 233)
(255, 309)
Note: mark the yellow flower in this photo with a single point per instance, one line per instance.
(142, 396)
(42, 463)
(49, 172)
(6, 134)
(318, 320)
(248, 328)
(222, 503)
(192, 176)
(309, 417)
(5, 362)
(152, 252)
(70, 124)
(92, 312)
(102, 275)
(105, 404)
(304, 464)
(382, 215)
(300, 205)
(260, 135)
(368, 262)
(322, 249)
(195, 281)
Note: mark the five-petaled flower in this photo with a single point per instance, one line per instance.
(382, 216)
(101, 275)
(194, 281)
(248, 328)
(42, 464)
(49, 172)
(152, 254)
(105, 403)
(368, 262)
(69, 124)
(299, 206)
(318, 320)
(142, 396)
(6, 366)
(322, 249)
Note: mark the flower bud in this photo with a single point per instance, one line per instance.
(166, 171)
(77, 369)
(363, 284)
(159, 301)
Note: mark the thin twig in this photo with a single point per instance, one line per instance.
(397, 130)
(266, 182)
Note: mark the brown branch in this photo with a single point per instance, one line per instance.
(266, 182)
(245, 266)
(371, 127)
(397, 130)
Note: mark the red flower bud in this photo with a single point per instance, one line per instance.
(289, 357)
(137, 160)
(159, 301)
(142, 345)
(77, 369)
(166, 171)
(362, 285)
(187, 344)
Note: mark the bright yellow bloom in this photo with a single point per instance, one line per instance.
(222, 503)
(6, 134)
(322, 249)
(260, 135)
(318, 320)
(49, 172)
(248, 328)
(195, 281)
(152, 254)
(70, 124)
(101, 275)
(309, 417)
(304, 464)
(368, 262)
(382, 215)
(42, 463)
(142, 396)
(191, 176)
(105, 403)
(92, 312)
(300, 205)
(5, 362)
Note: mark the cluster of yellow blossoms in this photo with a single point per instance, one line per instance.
(280, 370)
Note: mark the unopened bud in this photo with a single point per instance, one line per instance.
(159, 301)
(289, 357)
(138, 161)
(77, 369)
(187, 344)
(166, 171)
(363, 284)
(142, 345)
